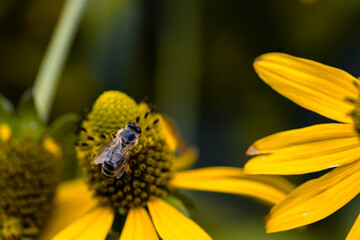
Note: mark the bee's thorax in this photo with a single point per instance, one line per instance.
(128, 136)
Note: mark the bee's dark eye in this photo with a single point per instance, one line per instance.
(134, 127)
(131, 125)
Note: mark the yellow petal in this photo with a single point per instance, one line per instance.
(305, 150)
(172, 134)
(95, 225)
(232, 180)
(188, 155)
(315, 133)
(316, 199)
(354, 233)
(186, 160)
(138, 226)
(172, 224)
(315, 86)
(72, 200)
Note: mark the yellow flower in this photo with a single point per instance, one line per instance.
(29, 174)
(334, 94)
(30, 167)
(143, 203)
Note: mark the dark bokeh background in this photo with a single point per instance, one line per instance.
(193, 58)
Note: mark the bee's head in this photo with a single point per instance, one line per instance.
(134, 127)
(131, 133)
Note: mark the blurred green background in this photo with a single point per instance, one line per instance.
(193, 59)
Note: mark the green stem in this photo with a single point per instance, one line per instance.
(55, 56)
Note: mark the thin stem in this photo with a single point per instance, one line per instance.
(55, 56)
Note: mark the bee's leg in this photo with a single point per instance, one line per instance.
(127, 168)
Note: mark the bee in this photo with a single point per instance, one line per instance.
(114, 157)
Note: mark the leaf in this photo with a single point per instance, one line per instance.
(28, 122)
(6, 109)
(175, 202)
(63, 125)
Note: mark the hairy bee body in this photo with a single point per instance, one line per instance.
(114, 157)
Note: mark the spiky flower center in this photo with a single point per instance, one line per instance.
(29, 174)
(149, 161)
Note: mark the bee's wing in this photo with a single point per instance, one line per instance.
(106, 152)
(120, 170)
(122, 159)
(122, 154)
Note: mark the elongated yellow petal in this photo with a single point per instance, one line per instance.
(94, 225)
(232, 180)
(305, 150)
(72, 200)
(316, 199)
(315, 133)
(315, 86)
(172, 224)
(354, 233)
(138, 226)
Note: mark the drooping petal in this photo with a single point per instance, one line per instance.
(94, 225)
(315, 86)
(316, 199)
(171, 133)
(304, 150)
(172, 224)
(354, 233)
(138, 226)
(186, 160)
(187, 155)
(72, 201)
(232, 180)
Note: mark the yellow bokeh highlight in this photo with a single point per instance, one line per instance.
(5, 132)
(52, 147)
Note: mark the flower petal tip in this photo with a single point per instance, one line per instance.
(252, 151)
(258, 59)
(266, 218)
